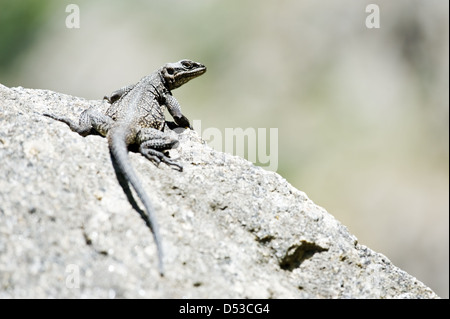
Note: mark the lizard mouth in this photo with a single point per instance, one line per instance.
(185, 76)
(194, 68)
(198, 71)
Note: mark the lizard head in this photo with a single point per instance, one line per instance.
(178, 73)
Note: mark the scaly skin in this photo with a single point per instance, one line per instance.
(136, 116)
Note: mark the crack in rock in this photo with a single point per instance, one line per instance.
(297, 254)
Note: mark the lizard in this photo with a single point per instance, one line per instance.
(135, 116)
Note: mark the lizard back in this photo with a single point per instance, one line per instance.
(142, 105)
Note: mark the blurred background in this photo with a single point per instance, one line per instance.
(362, 114)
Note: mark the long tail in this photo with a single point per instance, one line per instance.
(119, 155)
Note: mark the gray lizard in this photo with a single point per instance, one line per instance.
(136, 117)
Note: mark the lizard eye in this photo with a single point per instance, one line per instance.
(186, 64)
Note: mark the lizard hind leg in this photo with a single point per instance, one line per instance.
(153, 143)
(91, 122)
(83, 130)
(158, 157)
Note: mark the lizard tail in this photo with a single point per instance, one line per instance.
(119, 155)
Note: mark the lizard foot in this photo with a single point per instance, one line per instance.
(158, 157)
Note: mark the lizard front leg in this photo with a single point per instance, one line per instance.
(153, 143)
(114, 96)
(175, 110)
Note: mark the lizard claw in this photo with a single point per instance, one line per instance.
(157, 157)
(183, 122)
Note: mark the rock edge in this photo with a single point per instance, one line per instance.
(229, 229)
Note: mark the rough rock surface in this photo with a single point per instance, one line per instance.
(229, 229)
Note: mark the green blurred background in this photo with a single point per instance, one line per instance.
(362, 114)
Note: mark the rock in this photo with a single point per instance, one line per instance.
(229, 229)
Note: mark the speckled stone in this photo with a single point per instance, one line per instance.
(229, 229)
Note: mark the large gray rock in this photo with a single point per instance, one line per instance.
(229, 229)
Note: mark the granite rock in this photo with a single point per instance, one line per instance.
(229, 229)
